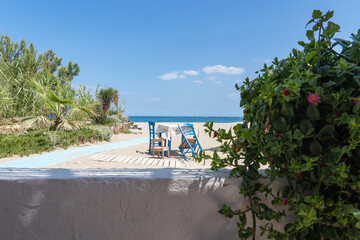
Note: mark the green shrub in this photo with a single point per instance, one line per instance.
(42, 140)
(112, 120)
(302, 121)
(103, 132)
(25, 144)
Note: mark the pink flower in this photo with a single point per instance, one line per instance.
(215, 134)
(338, 114)
(313, 98)
(299, 175)
(354, 101)
(286, 92)
(285, 201)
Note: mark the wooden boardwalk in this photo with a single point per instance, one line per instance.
(151, 162)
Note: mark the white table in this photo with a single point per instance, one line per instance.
(171, 130)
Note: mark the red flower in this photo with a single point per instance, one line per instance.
(299, 175)
(354, 101)
(313, 98)
(286, 92)
(244, 112)
(338, 114)
(215, 134)
(285, 201)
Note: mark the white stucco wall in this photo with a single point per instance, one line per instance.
(117, 204)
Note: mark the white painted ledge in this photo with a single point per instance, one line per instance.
(125, 204)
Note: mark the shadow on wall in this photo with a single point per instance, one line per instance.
(117, 204)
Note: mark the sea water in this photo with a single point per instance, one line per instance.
(184, 119)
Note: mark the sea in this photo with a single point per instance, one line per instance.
(184, 119)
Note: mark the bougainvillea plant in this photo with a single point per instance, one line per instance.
(301, 122)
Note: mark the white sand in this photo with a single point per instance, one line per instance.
(209, 144)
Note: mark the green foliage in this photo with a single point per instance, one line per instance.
(43, 140)
(106, 96)
(112, 120)
(19, 63)
(302, 122)
(103, 132)
(85, 100)
(59, 106)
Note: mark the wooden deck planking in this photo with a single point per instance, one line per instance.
(172, 164)
(109, 158)
(155, 162)
(128, 159)
(150, 161)
(131, 161)
(137, 161)
(118, 159)
(143, 161)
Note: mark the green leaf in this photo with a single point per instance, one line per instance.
(310, 35)
(356, 108)
(280, 124)
(332, 28)
(311, 21)
(287, 110)
(315, 147)
(312, 113)
(355, 53)
(329, 84)
(310, 56)
(357, 225)
(306, 126)
(316, 14)
(327, 130)
(328, 15)
(342, 42)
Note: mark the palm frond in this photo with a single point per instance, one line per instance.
(36, 122)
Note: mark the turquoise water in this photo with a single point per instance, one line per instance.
(184, 119)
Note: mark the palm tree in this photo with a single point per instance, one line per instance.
(106, 96)
(59, 106)
(116, 100)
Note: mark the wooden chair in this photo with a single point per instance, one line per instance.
(158, 145)
(189, 141)
(153, 135)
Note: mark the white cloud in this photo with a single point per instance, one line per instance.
(152, 99)
(216, 81)
(233, 96)
(198, 82)
(169, 76)
(190, 72)
(223, 69)
(178, 75)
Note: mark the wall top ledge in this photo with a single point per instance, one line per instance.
(13, 174)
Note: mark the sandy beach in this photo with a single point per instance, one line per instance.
(209, 144)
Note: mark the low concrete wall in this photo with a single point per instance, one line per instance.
(117, 204)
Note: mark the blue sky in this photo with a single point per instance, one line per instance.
(173, 57)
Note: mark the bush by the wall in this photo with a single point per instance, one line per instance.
(42, 140)
(301, 120)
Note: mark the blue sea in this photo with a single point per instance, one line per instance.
(184, 119)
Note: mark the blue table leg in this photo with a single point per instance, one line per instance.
(169, 145)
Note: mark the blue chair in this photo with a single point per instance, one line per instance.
(189, 140)
(153, 136)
